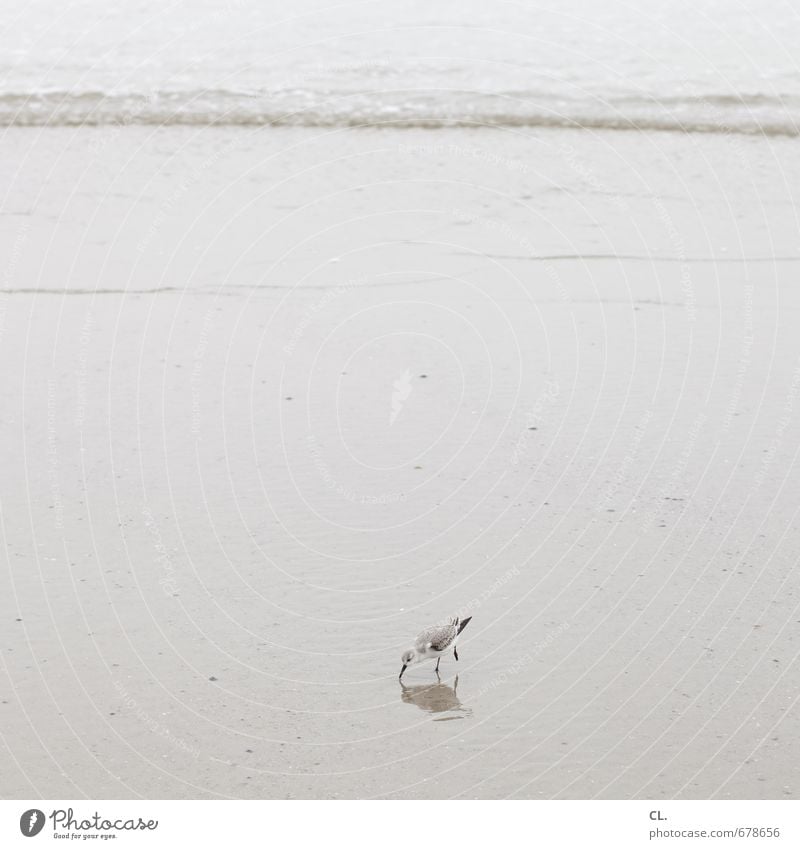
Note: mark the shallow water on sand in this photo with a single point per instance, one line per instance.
(285, 399)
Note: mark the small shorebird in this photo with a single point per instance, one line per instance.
(433, 642)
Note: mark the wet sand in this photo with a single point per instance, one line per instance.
(276, 400)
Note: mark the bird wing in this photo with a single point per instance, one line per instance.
(438, 637)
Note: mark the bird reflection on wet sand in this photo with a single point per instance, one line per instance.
(435, 698)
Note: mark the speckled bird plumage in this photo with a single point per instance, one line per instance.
(437, 637)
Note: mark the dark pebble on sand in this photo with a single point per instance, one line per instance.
(213, 678)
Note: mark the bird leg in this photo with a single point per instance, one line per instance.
(455, 652)
(437, 665)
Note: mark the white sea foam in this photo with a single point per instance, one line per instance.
(708, 67)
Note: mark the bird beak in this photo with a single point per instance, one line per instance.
(405, 666)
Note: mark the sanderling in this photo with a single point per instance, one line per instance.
(433, 642)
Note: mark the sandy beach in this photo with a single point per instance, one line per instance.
(276, 399)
